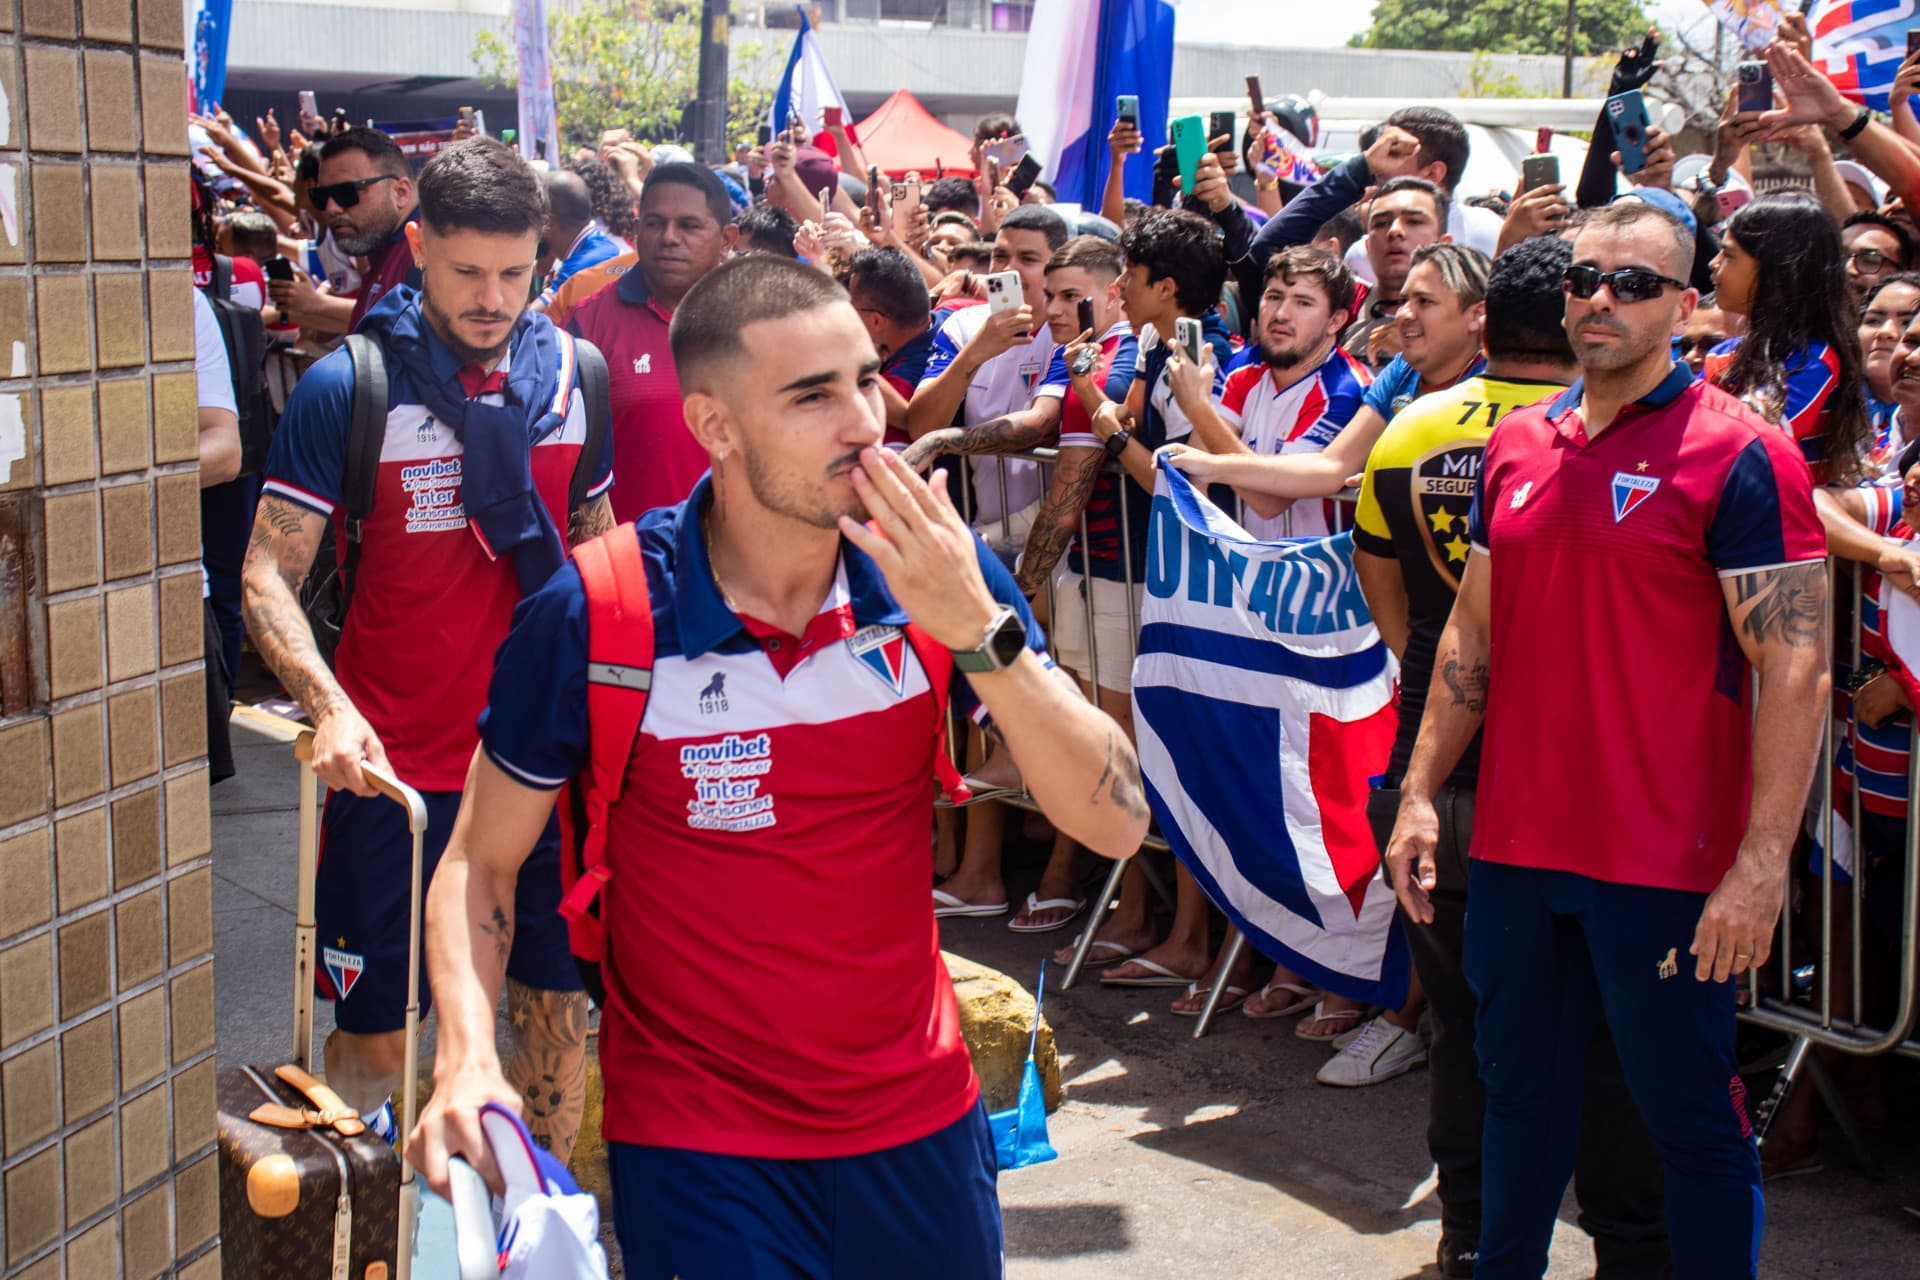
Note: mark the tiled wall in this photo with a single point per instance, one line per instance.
(106, 975)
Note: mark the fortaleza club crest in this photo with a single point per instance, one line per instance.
(344, 968)
(883, 651)
(1629, 491)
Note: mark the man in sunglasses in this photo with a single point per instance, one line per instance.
(1655, 540)
(366, 197)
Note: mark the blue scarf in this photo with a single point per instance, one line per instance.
(503, 506)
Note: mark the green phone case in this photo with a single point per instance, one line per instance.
(1189, 134)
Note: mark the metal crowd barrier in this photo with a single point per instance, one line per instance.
(1816, 1020)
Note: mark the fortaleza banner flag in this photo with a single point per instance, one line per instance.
(1859, 44)
(1263, 701)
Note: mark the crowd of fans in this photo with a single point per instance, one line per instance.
(1321, 315)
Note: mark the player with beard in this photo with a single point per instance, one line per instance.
(787, 1091)
(1298, 399)
(481, 445)
(366, 196)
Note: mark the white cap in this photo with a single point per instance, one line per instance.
(1855, 174)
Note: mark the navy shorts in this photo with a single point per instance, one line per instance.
(361, 910)
(926, 1209)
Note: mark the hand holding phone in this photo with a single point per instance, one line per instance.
(1190, 338)
(1085, 317)
(1024, 175)
(1257, 99)
(1627, 114)
(1189, 135)
(1220, 131)
(1756, 87)
(1126, 108)
(1539, 171)
(278, 268)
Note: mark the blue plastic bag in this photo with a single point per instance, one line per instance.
(1020, 1135)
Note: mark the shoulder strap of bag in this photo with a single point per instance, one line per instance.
(221, 286)
(367, 431)
(937, 661)
(620, 649)
(597, 397)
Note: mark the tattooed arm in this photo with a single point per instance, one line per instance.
(281, 550)
(469, 919)
(1059, 516)
(1028, 429)
(594, 518)
(1456, 706)
(1779, 616)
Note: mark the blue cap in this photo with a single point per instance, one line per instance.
(1666, 202)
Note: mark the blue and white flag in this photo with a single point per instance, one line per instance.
(211, 21)
(1081, 55)
(539, 135)
(1263, 702)
(807, 89)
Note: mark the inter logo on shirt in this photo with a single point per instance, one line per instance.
(883, 651)
(1629, 491)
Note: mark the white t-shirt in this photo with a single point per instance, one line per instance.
(1008, 383)
(212, 374)
(1466, 224)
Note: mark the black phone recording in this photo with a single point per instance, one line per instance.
(1086, 316)
(1024, 175)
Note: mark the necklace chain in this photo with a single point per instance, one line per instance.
(706, 533)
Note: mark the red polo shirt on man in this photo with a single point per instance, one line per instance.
(1617, 739)
(390, 265)
(663, 459)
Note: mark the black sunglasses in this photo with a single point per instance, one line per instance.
(1629, 284)
(345, 194)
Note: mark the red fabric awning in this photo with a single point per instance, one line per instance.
(901, 135)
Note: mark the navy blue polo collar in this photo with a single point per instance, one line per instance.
(1679, 378)
(632, 287)
(701, 613)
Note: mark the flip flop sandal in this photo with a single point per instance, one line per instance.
(945, 905)
(1230, 1000)
(1304, 994)
(1115, 952)
(1158, 976)
(1347, 1018)
(1072, 906)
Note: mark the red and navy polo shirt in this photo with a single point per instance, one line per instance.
(774, 982)
(1618, 719)
(388, 267)
(630, 328)
(432, 603)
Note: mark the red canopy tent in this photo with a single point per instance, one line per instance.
(901, 135)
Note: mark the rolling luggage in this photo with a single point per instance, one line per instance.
(307, 1191)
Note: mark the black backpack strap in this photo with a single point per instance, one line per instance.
(594, 391)
(367, 432)
(221, 286)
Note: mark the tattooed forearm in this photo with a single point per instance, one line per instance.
(1788, 605)
(500, 929)
(1059, 517)
(548, 1062)
(1119, 781)
(1467, 684)
(594, 518)
(279, 553)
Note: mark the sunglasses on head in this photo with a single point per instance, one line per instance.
(1628, 284)
(345, 194)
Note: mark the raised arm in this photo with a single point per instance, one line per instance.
(1077, 763)
(1291, 475)
(1456, 707)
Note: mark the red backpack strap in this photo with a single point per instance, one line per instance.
(937, 661)
(619, 678)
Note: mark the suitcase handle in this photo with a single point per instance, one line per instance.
(305, 936)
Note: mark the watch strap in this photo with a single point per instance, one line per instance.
(1860, 122)
(1116, 444)
(983, 658)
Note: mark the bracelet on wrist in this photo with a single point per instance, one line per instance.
(1860, 122)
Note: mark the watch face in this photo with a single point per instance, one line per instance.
(1008, 638)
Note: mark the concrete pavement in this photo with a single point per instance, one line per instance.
(1220, 1157)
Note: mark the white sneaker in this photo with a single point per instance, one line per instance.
(1380, 1052)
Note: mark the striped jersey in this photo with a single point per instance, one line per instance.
(1302, 418)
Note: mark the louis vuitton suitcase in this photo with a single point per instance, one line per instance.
(307, 1191)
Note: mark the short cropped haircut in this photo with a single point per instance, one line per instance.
(742, 291)
(1344, 226)
(250, 226)
(767, 228)
(956, 194)
(1525, 305)
(482, 184)
(886, 280)
(1442, 137)
(1442, 203)
(376, 146)
(1181, 245)
(1874, 218)
(978, 252)
(1089, 253)
(701, 179)
(1304, 262)
(1463, 270)
(1038, 217)
(1622, 214)
(568, 197)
